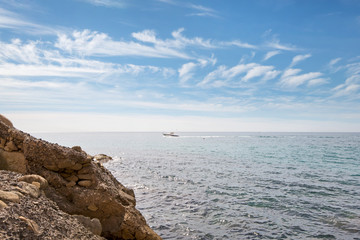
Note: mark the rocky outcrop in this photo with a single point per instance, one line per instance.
(77, 183)
(26, 212)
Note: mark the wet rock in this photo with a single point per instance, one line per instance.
(102, 158)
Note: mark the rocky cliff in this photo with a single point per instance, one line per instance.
(85, 193)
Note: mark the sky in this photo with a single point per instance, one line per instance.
(189, 65)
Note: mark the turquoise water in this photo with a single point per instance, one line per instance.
(237, 185)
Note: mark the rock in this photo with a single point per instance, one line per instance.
(93, 225)
(77, 167)
(38, 218)
(31, 189)
(72, 178)
(34, 178)
(2, 143)
(85, 183)
(71, 184)
(85, 176)
(10, 147)
(102, 158)
(9, 196)
(36, 184)
(85, 170)
(31, 224)
(2, 205)
(116, 203)
(6, 121)
(77, 148)
(93, 207)
(13, 161)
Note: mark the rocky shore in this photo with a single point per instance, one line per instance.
(48, 191)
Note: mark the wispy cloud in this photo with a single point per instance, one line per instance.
(240, 44)
(88, 43)
(203, 11)
(11, 20)
(350, 88)
(107, 3)
(291, 79)
(271, 54)
(223, 74)
(298, 59)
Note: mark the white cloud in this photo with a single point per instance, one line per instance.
(271, 54)
(11, 20)
(257, 71)
(298, 59)
(317, 81)
(202, 11)
(251, 70)
(89, 43)
(350, 88)
(145, 36)
(186, 71)
(275, 43)
(290, 79)
(240, 44)
(107, 3)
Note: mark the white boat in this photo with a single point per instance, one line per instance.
(170, 134)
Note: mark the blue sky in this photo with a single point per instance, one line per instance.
(161, 65)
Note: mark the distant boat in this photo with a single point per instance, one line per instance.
(170, 134)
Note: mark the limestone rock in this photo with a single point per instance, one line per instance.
(13, 161)
(31, 189)
(9, 196)
(93, 225)
(6, 121)
(77, 148)
(96, 185)
(39, 218)
(85, 183)
(31, 224)
(102, 158)
(10, 147)
(2, 205)
(72, 178)
(34, 178)
(77, 167)
(93, 207)
(2, 143)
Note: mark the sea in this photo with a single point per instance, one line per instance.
(236, 185)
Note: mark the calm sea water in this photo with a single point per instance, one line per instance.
(237, 185)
